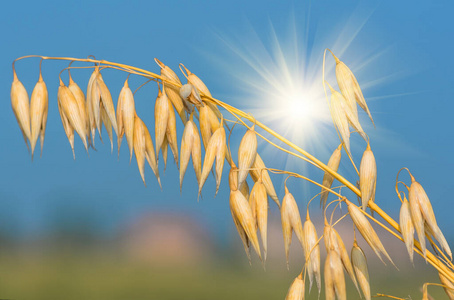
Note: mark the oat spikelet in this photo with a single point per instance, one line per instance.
(208, 123)
(80, 99)
(165, 148)
(333, 164)
(245, 190)
(312, 252)
(334, 277)
(149, 152)
(449, 289)
(69, 131)
(120, 126)
(93, 103)
(246, 154)
(366, 230)
(21, 108)
(339, 118)
(418, 194)
(172, 91)
(190, 146)
(233, 177)
(258, 171)
(360, 266)
(291, 220)
(106, 101)
(39, 104)
(216, 148)
(126, 106)
(242, 211)
(243, 235)
(259, 206)
(161, 116)
(71, 111)
(350, 88)
(296, 290)
(139, 146)
(171, 133)
(367, 177)
(334, 242)
(406, 227)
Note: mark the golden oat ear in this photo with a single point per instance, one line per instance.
(186, 72)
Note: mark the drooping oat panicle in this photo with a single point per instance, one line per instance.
(449, 286)
(418, 194)
(366, 230)
(190, 146)
(367, 177)
(149, 152)
(312, 252)
(333, 164)
(339, 118)
(246, 154)
(39, 105)
(242, 211)
(172, 91)
(406, 227)
(69, 131)
(350, 88)
(140, 146)
(259, 206)
(161, 116)
(125, 116)
(108, 125)
(334, 277)
(291, 220)
(21, 108)
(171, 133)
(334, 241)
(296, 290)
(80, 99)
(359, 262)
(106, 101)
(216, 148)
(71, 111)
(257, 171)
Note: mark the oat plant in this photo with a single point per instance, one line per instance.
(205, 126)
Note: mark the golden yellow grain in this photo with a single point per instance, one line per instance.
(107, 124)
(190, 146)
(39, 104)
(172, 91)
(259, 206)
(171, 133)
(359, 262)
(312, 252)
(448, 286)
(333, 164)
(80, 99)
(339, 118)
(139, 146)
(259, 171)
(291, 221)
(126, 107)
(367, 231)
(240, 209)
(296, 290)
(406, 227)
(334, 277)
(216, 148)
(161, 116)
(418, 195)
(242, 234)
(93, 99)
(350, 88)
(21, 108)
(246, 154)
(69, 131)
(367, 177)
(106, 101)
(149, 152)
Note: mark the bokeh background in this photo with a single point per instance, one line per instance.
(89, 229)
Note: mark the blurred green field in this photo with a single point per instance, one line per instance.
(87, 275)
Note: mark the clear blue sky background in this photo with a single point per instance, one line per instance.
(411, 100)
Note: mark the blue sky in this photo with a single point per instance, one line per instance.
(400, 54)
